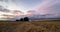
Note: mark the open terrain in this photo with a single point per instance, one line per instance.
(34, 26)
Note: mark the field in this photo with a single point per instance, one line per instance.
(34, 26)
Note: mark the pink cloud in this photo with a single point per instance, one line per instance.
(17, 12)
(31, 12)
(44, 7)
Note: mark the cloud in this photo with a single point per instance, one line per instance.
(2, 9)
(17, 12)
(8, 16)
(30, 12)
(10, 4)
(45, 7)
(49, 7)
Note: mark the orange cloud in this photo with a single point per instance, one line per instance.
(8, 16)
(2, 19)
(30, 12)
(17, 12)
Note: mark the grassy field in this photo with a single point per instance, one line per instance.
(34, 26)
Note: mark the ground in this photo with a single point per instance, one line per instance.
(34, 26)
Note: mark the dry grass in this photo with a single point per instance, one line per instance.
(35, 26)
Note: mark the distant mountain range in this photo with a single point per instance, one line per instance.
(44, 17)
(37, 17)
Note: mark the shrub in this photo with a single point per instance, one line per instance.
(17, 20)
(26, 19)
(21, 19)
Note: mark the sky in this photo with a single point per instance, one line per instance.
(26, 7)
(23, 5)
